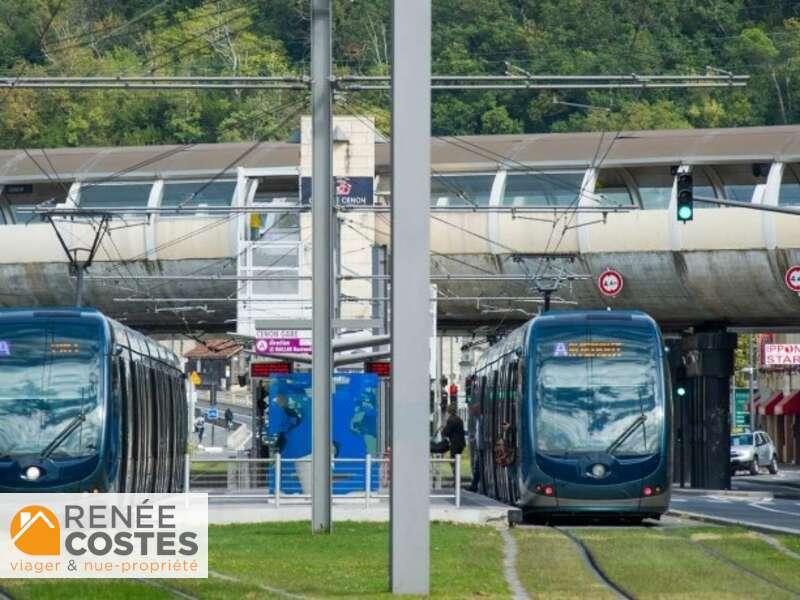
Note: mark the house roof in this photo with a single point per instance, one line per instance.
(215, 349)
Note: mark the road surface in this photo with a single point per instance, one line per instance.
(768, 513)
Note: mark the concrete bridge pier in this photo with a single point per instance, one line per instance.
(702, 415)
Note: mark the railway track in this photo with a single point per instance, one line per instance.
(591, 562)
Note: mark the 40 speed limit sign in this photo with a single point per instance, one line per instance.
(610, 283)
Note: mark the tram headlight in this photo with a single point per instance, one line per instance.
(598, 471)
(33, 473)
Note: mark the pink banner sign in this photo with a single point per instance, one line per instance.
(781, 354)
(286, 345)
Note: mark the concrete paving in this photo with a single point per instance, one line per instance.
(475, 509)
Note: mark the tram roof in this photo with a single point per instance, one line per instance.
(449, 154)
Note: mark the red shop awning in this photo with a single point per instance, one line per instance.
(768, 407)
(790, 405)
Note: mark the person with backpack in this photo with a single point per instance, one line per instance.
(454, 432)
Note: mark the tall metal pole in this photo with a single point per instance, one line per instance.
(321, 212)
(751, 381)
(411, 164)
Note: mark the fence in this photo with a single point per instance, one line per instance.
(286, 480)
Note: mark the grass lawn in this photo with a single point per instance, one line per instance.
(549, 567)
(210, 468)
(792, 542)
(668, 563)
(751, 551)
(466, 562)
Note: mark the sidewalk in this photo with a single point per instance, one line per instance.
(475, 509)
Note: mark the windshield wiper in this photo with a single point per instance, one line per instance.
(61, 437)
(626, 434)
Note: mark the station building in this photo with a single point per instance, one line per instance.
(511, 214)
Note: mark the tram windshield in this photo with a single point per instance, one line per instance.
(598, 390)
(49, 390)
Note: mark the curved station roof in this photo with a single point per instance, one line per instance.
(511, 215)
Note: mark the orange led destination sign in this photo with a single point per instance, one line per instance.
(588, 349)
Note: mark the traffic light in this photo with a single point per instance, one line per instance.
(685, 197)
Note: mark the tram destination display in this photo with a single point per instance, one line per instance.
(594, 349)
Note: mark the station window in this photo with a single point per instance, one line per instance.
(383, 190)
(738, 181)
(703, 187)
(461, 190)
(276, 226)
(655, 186)
(25, 195)
(114, 195)
(198, 194)
(276, 260)
(542, 189)
(790, 186)
(611, 189)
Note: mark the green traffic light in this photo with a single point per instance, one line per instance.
(681, 391)
(685, 213)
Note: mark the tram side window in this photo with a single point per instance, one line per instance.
(128, 423)
(513, 399)
(118, 409)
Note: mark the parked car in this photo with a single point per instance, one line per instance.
(752, 451)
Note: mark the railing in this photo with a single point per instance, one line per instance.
(281, 480)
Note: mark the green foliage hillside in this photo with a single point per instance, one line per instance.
(270, 37)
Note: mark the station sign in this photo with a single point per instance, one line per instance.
(381, 368)
(282, 345)
(18, 188)
(349, 191)
(776, 355)
(610, 283)
(792, 279)
(265, 370)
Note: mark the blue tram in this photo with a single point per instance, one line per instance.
(573, 413)
(87, 404)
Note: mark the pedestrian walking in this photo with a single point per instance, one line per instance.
(228, 419)
(454, 432)
(200, 427)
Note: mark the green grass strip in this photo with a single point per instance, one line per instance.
(466, 562)
(792, 542)
(550, 567)
(752, 552)
(662, 564)
(97, 589)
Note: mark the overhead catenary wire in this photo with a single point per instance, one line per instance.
(297, 105)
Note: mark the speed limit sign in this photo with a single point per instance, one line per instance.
(792, 279)
(610, 283)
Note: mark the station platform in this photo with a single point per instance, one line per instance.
(475, 509)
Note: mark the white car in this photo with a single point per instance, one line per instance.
(751, 451)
